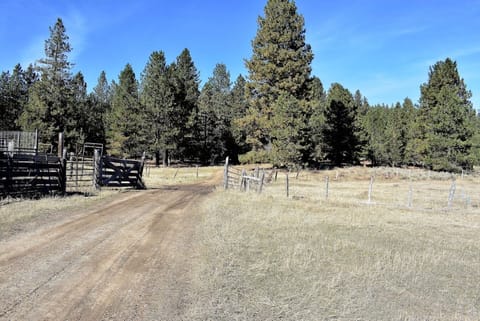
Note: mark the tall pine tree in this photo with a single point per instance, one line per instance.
(446, 119)
(126, 131)
(216, 113)
(239, 109)
(340, 132)
(186, 82)
(50, 100)
(158, 98)
(279, 67)
(100, 101)
(14, 89)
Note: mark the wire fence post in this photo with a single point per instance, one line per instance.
(370, 189)
(243, 181)
(327, 181)
(287, 185)
(451, 194)
(225, 174)
(410, 196)
(262, 178)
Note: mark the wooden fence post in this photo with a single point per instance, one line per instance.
(142, 164)
(262, 178)
(60, 145)
(276, 172)
(96, 169)
(243, 181)
(197, 170)
(36, 141)
(9, 175)
(225, 174)
(327, 179)
(370, 188)
(451, 194)
(410, 196)
(176, 172)
(63, 162)
(287, 185)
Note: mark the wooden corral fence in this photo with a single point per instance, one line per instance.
(28, 174)
(246, 180)
(25, 174)
(116, 172)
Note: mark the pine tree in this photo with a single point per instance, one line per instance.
(239, 109)
(14, 96)
(288, 123)
(158, 98)
(405, 126)
(280, 65)
(215, 109)
(340, 132)
(186, 82)
(49, 99)
(446, 119)
(362, 106)
(77, 124)
(5, 104)
(317, 120)
(374, 124)
(125, 135)
(100, 101)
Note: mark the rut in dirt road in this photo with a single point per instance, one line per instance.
(127, 260)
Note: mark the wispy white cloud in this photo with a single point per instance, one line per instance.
(78, 31)
(34, 50)
(76, 28)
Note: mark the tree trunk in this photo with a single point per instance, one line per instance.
(165, 158)
(157, 158)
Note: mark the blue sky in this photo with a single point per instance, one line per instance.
(384, 48)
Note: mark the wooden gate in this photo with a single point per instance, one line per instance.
(116, 172)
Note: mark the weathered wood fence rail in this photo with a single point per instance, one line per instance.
(31, 174)
(253, 180)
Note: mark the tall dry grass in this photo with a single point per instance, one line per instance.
(158, 176)
(266, 257)
(23, 214)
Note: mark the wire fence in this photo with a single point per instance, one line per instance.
(413, 189)
(18, 142)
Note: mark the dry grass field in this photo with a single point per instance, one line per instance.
(160, 176)
(21, 215)
(266, 257)
(405, 254)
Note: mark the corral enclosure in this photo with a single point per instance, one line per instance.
(24, 170)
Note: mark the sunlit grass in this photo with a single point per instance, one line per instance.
(17, 214)
(157, 176)
(269, 257)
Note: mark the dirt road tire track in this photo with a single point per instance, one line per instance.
(126, 260)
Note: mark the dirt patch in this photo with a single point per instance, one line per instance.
(128, 259)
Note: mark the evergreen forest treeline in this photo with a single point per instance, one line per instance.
(279, 113)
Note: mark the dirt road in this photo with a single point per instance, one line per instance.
(129, 259)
